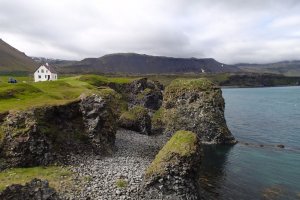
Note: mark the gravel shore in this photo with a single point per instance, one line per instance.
(118, 176)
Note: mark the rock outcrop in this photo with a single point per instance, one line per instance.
(173, 173)
(196, 105)
(34, 190)
(145, 93)
(136, 119)
(40, 136)
(136, 92)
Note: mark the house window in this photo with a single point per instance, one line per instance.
(46, 71)
(42, 71)
(40, 77)
(45, 76)
(38, 71)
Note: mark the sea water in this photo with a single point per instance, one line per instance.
(256, 168)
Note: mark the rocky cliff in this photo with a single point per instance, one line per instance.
(40, 136)
(196, 105)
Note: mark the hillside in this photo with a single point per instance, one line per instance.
(131, 63)
(13, 60)
(287, 68)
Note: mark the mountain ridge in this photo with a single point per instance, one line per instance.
(13, 60)
(133, 63)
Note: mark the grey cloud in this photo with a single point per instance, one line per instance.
(230, 31)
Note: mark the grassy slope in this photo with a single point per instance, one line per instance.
(25, 95)
(55, 175)
(12, 60)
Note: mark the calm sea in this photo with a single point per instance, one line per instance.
(255, 168)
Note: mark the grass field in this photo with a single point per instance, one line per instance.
(27, 94)
(54, 174)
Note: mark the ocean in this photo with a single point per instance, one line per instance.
(256, 168)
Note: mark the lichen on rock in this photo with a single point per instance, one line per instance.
(196, 105)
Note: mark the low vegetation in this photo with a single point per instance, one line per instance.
(121, 183)
(97, 80)
(22, 96)
(134, 114)
(57, 176)
(182, 144)
(157, 118)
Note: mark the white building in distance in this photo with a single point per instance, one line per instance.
(45, 73)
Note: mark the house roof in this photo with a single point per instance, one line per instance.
(49, 67)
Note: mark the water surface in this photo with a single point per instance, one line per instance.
(255, 168)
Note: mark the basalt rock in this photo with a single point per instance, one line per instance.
(196, 105)
(146, 93)
(33, 190)
(41, 136)
(136, 119)
(173, 173)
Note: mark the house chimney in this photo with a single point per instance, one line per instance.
(47, 64)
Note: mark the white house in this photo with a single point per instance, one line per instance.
(45, 73)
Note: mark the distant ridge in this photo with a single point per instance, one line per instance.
(288, 68)
(132, 63)
(13, 60)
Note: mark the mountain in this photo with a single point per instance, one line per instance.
(288, 68)
(13, 60)
(52, 61)
(131, 63)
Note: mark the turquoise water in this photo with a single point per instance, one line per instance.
(255, 168)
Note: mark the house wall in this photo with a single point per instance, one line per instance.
(41, 74)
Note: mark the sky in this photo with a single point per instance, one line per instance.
(230, 31)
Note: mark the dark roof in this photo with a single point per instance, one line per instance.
(49, 67)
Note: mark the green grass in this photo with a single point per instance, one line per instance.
(97, 80)
(182, 144)
(134, 114)
(55, 175)
(121, 183)
(22, 96)
(20, 79)
(201, 84)
(157, 118)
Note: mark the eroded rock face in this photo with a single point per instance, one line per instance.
(173, 173)
(196, 105)
(141, 92)
(146, 93)
(99, 121)
(33, 190)
(136, 119)
(43, 135)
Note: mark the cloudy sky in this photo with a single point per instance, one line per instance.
(230, 31)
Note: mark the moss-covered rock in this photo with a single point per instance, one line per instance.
(138, 91)
(196, 105)
(157, 121)
(44, 135)
(136, 119)
(173, 172)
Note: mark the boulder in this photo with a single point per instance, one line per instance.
(136, 119)
(34, 190)
(44, 135)
(196, 105)
(173, 173)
